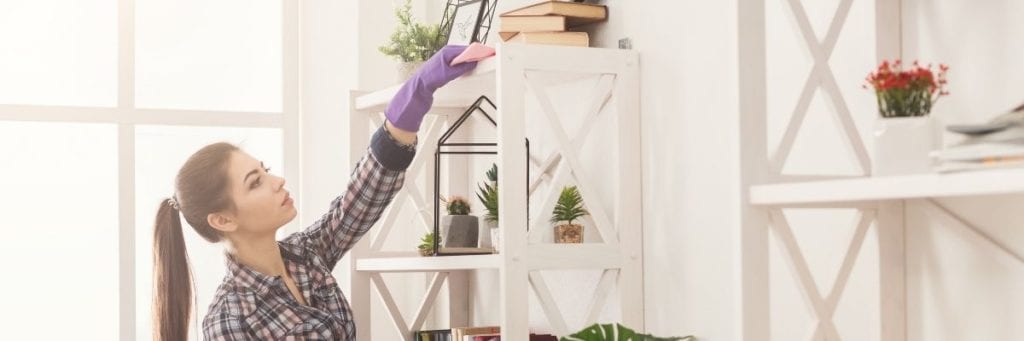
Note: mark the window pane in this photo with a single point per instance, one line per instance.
(208, 55)
(58, 52)
(160, 152)
(60, 250)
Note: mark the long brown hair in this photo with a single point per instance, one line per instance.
(201, 188)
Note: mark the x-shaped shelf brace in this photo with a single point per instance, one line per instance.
(821, 77)
(566, 159)
(405, 329)
(567, 169)
(823, 308)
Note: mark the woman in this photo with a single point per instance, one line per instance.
(282, 289)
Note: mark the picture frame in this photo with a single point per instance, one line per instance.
(467, 21)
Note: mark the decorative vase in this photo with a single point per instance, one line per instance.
(426, 252)
(407, 69)
(569, 234)
(495, 234)
(902, 145)
(460, 230)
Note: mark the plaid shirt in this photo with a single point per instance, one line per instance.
(249, 305)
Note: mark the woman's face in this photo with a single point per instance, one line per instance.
(262, 204)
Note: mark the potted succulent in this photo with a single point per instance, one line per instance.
(426, 247)
(488, 196)
(568, 209)
(905, 134)
(411, 43)
(458, 228)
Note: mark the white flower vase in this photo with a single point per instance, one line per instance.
(902, 145)
(495, 235)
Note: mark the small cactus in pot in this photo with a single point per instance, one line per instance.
(459, 229)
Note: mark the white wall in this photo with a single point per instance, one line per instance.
(689, 114)
(959, 286)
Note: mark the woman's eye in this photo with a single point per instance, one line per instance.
(255, 183)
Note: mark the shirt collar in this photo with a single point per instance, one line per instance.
(259, 282)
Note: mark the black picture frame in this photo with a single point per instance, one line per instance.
(467, 21)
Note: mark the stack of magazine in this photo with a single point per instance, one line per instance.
(998, 143)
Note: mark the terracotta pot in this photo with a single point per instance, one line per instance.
(569, 234)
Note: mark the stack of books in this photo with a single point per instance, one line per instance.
(998, 143)
(549, 22)
(489, 333)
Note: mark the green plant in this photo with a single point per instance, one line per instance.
(456, 206)
(412, 41)
(606, 332)
(488, 194)
(569, 206)
(426, 244)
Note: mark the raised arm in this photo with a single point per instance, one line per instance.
(381, 172)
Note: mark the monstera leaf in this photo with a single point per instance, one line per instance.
(617, 332)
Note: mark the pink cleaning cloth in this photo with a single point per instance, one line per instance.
(474, 52)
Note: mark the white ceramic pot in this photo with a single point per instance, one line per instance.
(495, 234)
(407, 69)
(902, 145)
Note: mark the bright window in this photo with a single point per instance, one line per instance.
(74, 248)
(60, 231)
(58, 52)
(208, 55)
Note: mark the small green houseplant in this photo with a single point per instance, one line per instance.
(426, 247)
(488, 196)
(411, 43)
(568, 209)
(458, 228)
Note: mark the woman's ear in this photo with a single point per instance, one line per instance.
(222, 222)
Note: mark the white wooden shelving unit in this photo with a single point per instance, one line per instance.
(511, 78)
(879, 199)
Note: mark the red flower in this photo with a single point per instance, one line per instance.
(910, 92)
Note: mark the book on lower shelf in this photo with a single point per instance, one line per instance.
(533, 337)
(485, 333)
(433, 335)
(471, 333)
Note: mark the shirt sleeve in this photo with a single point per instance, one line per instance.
(376, 179)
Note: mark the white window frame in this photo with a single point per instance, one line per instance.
(126, 116)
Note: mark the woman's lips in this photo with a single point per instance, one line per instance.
(287, 200)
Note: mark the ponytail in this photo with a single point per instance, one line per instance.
(172, 299)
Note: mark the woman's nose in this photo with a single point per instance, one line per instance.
(281, 182)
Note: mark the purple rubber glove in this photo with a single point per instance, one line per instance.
(414, 99)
